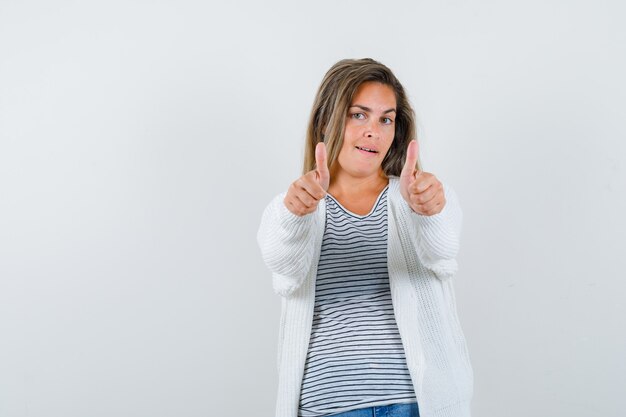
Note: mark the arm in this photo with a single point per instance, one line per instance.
(439, 235)
(287, 244)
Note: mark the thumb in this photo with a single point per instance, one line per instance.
(411, 160)
(322, 165)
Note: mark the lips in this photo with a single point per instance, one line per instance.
(362, 148)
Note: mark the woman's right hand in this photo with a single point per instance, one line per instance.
(306, 192)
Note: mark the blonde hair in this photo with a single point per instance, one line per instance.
(330, 108)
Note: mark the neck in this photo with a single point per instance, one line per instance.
(342, 183)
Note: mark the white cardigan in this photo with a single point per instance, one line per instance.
(421, 260)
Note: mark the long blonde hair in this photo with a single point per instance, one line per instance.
(330, 108)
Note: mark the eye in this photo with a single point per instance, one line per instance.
(358, 116)
(387, 120)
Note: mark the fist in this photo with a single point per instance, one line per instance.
(422, 190)
(305, 193)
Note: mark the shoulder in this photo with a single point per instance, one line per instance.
(394, 188)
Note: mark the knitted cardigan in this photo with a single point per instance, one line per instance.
(421, 253)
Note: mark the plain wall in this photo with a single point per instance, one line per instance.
(141, 141)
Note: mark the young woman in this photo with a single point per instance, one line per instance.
(362, 248)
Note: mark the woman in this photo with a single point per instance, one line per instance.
(362, 248)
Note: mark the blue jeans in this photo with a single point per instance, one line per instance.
(391, 410)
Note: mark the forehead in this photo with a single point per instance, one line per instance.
(375, 94)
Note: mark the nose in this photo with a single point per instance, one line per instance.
(372, 130)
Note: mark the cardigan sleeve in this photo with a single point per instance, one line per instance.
(439, 235)
(287, 244)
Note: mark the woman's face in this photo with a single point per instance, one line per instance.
(370, 128)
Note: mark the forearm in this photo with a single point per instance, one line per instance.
(439, 234)
(286, 240)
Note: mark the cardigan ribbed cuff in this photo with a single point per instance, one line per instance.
(288, 220)
(286, 240)
(440, 232)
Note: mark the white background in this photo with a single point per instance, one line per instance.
(141, 141)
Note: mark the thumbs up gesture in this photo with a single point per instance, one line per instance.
(422, 190)
(305, 193)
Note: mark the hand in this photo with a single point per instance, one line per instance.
(305, 193)
(422, 190)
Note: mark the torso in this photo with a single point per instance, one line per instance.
(360, 203)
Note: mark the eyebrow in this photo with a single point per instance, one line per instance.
(369, 110)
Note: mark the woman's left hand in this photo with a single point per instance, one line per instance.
(422, 190)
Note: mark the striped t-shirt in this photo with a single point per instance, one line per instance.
(355, 357)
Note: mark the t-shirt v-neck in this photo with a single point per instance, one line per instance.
(361, 216)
